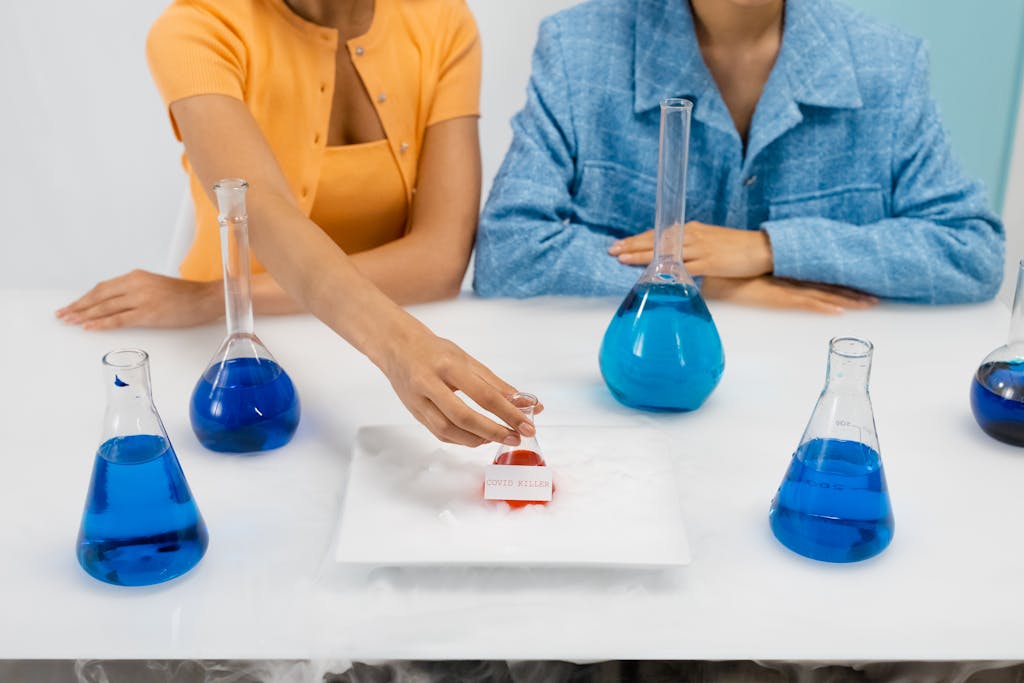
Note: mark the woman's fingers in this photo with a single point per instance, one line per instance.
(101, 292)
(465, 419)
(846, 292)
(431, 417)
(637, 258)
(642, 242)
(811, 303)
(102, 309)
(498, 403)
(113, 322)
(837, 296)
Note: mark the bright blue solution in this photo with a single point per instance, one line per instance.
(662, 350)
(243, 405)
(141, 525)
(833, 504)
(997, 400)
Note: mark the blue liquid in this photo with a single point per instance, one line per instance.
(833, 504)
(141, 525)
(997, 400)
(662, 350)
(244, 405)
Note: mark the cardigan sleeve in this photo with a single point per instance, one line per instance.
(195, 50)
(458, 86)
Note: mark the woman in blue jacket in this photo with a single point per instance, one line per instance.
(820, 175)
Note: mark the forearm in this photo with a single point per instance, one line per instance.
(415, 269)
(339, 295)
(269, 299)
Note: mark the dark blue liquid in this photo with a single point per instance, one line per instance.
(244, 405)
(662, 350)
(833, 504)
(997, 400)
(141, 525)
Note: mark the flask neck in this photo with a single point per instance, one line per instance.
(843, 411)
(673, 153)
(130, 410)
(848, 373)
(234, 248)
(527, 404)
(1017, 314)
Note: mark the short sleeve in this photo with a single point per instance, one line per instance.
(193, 50)
(458, 85)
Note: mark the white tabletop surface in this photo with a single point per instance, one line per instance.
(951, 585)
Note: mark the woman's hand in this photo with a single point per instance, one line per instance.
(707, 250)
(144, 299)
(426, 371)
(774, 292)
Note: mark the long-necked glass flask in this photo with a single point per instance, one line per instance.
(244, 401)
(833, 504)
(997, 390)
(141, 524)
(662, 350)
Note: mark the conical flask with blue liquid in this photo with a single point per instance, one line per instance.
(244, 401)
(833, 504)
(141, 524)
(662, 351)
(997, 390)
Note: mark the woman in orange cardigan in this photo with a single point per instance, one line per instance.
(355, 124)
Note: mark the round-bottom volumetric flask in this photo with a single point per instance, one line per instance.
(244, 401)
(662, 351)
(997, 389)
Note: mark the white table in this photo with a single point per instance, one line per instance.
(951, 585)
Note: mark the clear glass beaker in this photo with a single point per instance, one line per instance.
(141, 524)
(997, 390)
(527, 453)
(833, 504)
(662, 351)
(244, 401)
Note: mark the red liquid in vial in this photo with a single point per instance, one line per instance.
(524, 458)
(520, 457)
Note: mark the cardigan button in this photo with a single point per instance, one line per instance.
(403, 148)
(382, 98)
(360, 51)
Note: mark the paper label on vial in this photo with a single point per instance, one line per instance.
(517, 482)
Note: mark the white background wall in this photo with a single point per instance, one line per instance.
(89, 176)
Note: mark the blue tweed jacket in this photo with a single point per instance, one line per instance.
(847, 167)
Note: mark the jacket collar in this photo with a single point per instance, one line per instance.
(814, 61)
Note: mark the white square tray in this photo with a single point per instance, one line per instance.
(412, 500)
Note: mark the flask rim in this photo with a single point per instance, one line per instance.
(677, 104)
(524, 401)
(125, 359)
(231, 184)
(850, 347)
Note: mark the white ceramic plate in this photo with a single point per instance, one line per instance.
(411, 500)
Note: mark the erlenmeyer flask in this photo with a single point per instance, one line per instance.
(833, 504)
(527, 453)
(244, 401)
(141, 525)
(997, 391)
(661, 350)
